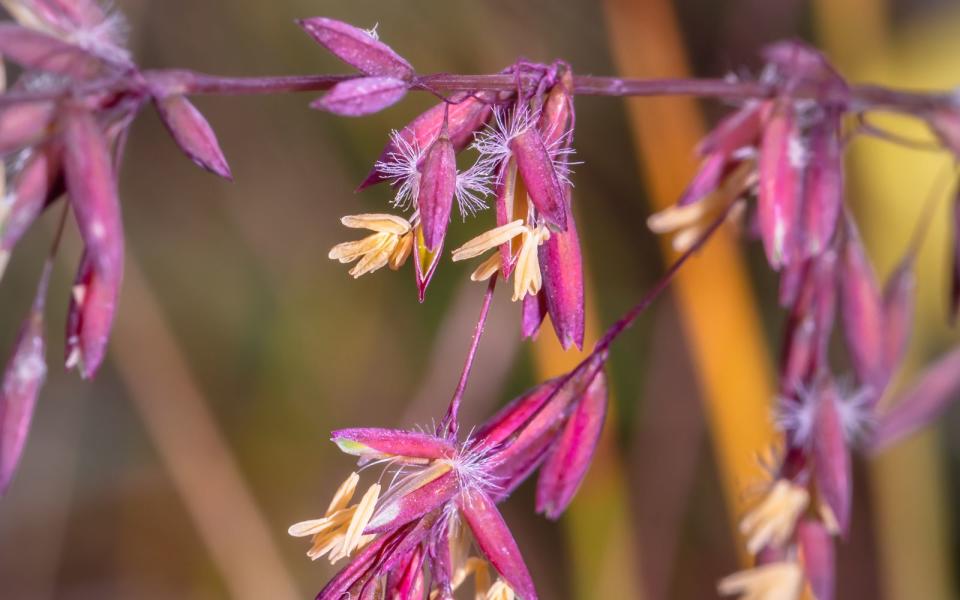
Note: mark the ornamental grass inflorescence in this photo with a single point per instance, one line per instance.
(429, 520)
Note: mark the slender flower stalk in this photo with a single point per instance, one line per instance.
(451, 421)
(860, 97)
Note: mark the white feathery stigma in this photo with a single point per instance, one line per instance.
(372, 32)
(401, 168)
(493, 141)
(472, 186)
(107, 38)
(473, 464)
(796, 415)
(854, 410)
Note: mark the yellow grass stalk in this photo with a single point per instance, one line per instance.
(717, 308)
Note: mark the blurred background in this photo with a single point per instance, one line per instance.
(239, 345)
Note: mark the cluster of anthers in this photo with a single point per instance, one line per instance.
(523, 145)
(430, 488)
(412, 173)
(436, 522)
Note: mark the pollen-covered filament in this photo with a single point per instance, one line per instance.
(340, 531)
(527, 278)
(390, 244)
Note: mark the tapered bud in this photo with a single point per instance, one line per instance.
(358, 48)
(810, 321)
(364, 96)
(22, 380)
(24, 124)
(374, 443)
(557, 115)
(929, 396)
(792, 278)
(495, 541)
(945, 124)
(898, 303)
(362, 568)
(67, 19)
(798, 293)
(427, 495)
(737, 130)
(706, 180)
(823, 185)
(567, 464)
(798, 61)
(831, 459)
(38, 183)
(533, 311)
(782, 156)
(369, 562)
(422, 527)
(517, 467)
(817, 556)
(561, 264)
(425, 262)
(511, 418)
(447, 549)
(81, 12)
(406, 581)
(825, 302)
(93, 302)
(192, 133)
(511, 205)
(539, 174)
(862, 311)
(35, 50)
(437, 186)
(799, 348)
(955, 257)
(92, 188)
(531, 425)
(465, 114)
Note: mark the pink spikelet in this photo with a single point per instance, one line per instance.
(22, 379)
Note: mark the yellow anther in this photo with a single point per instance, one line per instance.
(500, 591)
(674, 218)
(344, 493)
(377, 257)
(772, 521)
(487, 268)
(402, 252)
(689, 222)
(481, 577)
(527, 278)
(390, 244)
(489, 239)
(23, 14)
(774, 581)
(385, 223)
(354, 537)
(340, 531)
(829, 519)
